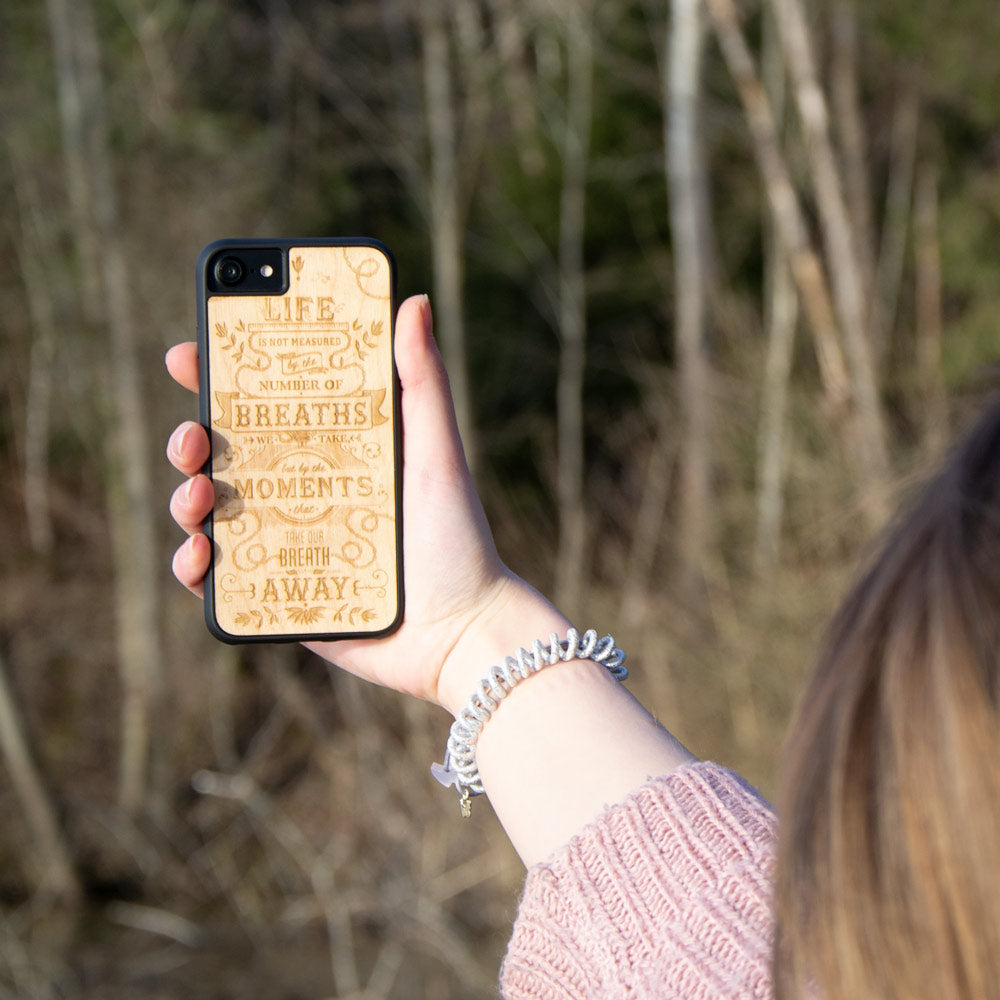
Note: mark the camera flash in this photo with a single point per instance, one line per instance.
(266, 271)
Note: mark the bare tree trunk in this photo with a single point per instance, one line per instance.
(852, 399)
(573, 307)
(931, 398)
(685, 169)
(38, 408)
(787, 215)
(130, 491)
(510, 33)
(281, 103)
(846, 105)
(898, 199)
(45, 287)
(441, 97)
(647, 527)
(56, 872)
(772, 444)
(780, 320)
(639, 602)
(842, 259)
(446, 215)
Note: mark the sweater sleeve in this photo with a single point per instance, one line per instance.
(667, 894)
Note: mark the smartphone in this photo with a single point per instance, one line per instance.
(300, 397)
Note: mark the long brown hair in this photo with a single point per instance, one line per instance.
(888, 874)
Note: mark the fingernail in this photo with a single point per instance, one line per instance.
(178, 441)
(427, 314)
(184, 494)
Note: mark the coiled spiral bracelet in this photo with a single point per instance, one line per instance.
(460, 768)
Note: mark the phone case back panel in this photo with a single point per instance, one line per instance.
(302, 402)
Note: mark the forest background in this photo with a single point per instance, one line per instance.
(713, 285)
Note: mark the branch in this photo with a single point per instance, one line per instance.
(789, 220)
(58, 874)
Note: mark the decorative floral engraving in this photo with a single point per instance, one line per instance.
(305, 616)
(302, 391)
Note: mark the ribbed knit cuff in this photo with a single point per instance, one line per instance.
(667, 894)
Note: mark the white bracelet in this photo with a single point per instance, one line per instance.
(460, 768)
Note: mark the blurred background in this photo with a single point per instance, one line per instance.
(713, 282)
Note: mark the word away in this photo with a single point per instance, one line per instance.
(304, 588)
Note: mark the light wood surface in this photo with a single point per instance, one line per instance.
(301, 395)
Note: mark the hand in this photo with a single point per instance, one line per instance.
(464, 609)
(464, 612)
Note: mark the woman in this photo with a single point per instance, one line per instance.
(650, 872)
(890, 805)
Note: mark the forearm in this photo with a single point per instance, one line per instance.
(565, 742)
(563, 746)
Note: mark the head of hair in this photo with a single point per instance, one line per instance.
(890, 797)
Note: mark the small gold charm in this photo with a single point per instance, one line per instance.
(466, 804)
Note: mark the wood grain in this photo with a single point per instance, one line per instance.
(302, 421)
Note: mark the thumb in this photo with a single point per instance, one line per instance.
(430, 428)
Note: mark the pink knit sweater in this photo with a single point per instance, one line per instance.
(667, 895)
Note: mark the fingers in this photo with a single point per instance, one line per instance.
(188, 448)
(414, 343)
(188, 451)
(191, 503)
(182, 363)
(437, 486)
(191, 563)
(189, 506)
(430, 429)
(432, 446)
(418, 360)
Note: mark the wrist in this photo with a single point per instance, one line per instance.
(460, 766)
(515, 615)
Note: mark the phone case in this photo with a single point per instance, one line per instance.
(300, 398)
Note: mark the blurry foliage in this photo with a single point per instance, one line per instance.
(952, 47)
(217, 130)
(970, 236)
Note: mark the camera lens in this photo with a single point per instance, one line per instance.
(229, 271)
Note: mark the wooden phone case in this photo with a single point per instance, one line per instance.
(300, 397)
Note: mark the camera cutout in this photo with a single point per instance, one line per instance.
(248, 271)
(229, 270)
